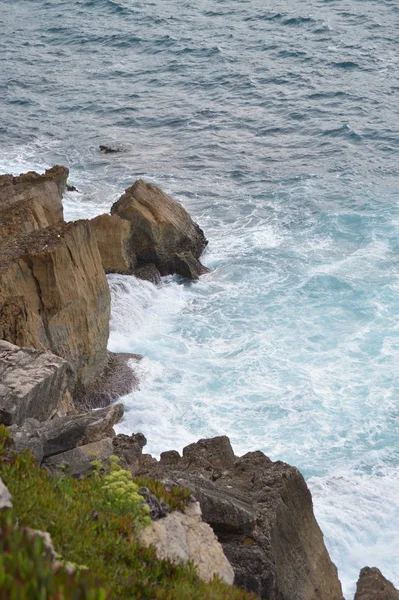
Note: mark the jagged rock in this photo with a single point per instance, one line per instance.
(372, 585)
(185, 537)
(148, 273)
(161, 228)
(188, 266)
(117, 379)
(31, 201)
(129, 448)
(65, 433)
(54, 296)
(33, 384)
(5, 496)
(158, 508)
(78, 460)
(261, 512)
(114, 240)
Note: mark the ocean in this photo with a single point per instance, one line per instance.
(277, 126)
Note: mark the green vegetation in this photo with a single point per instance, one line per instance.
(90, 524)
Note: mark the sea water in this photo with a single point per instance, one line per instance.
(276, 125)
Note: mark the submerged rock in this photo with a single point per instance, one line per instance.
(54, 296)
(372, 585)
(31, 201)
(262, 514)
(33, 384)
(109, 149)
(161, 229)
(183, 537)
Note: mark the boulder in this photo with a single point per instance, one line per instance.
(114, 240)
(78, 461)
(54, 296)
(161, 228)
(5, 496)
(372, 585)
(148, 273)
(183, 537)
(31, 201)
(65, 433)
(262, 514)
(33, 384)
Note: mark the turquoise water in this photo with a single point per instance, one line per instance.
(278, 130)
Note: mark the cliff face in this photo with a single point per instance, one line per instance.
(54, 296)
(31, 202)
(261, 512)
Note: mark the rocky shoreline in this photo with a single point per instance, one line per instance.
(55, 368)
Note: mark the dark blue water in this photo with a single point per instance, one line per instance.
(278, 128)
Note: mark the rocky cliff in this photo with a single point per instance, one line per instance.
(260, 510)
(54, 296)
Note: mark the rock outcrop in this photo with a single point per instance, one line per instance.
(163, 233)
(372, 585)
(183, 537)
(65, 433)
(114, 241)
(78, 461)
(33, 384)
(5, 496)
(31, 201)
(262, 514)
(54, 296)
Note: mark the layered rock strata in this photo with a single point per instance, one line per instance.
(114, 241)
(54, 296)
(261, 512)
(31, 202)
(163, 233)
(58, 436)
(33, 384)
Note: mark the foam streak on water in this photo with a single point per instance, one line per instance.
(277, 127)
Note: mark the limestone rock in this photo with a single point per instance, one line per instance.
(65, 433)
(262, 513)
(185, 537)
(114, 240)
(372, 585)
(5, 496)
(54, 296)
(33, 384)
(31, 201)
(161, 228)
(78, 460)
